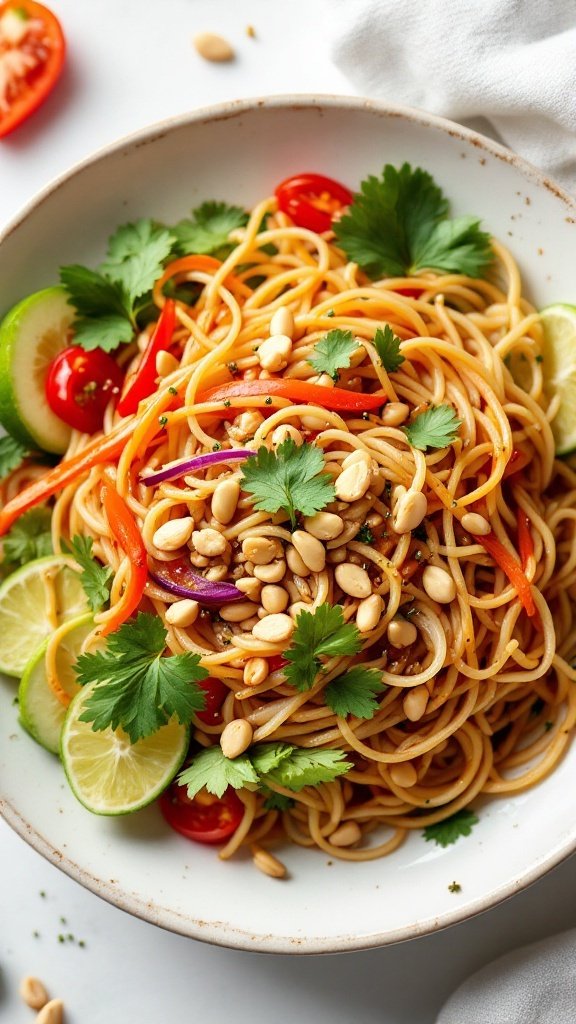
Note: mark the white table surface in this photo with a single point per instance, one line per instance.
(129, 64)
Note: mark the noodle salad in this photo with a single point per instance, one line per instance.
(304, 569)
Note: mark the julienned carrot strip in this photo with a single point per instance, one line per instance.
(511, 568)
(103, 449)
(206, 265)
(525, 542)
(336, 399)
(125, 530)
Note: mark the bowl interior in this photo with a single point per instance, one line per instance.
(239, 152)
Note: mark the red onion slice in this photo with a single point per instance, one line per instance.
(178, 577)
(184, 466)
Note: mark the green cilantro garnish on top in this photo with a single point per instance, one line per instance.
(387, 346)
(110, 301)
(277, 763)
(446, 832)
(95, 578)
(398, 224)
(139, 690)
(290, 478)
(333, 352)
(354, 692)
(29, 538)
(207, 230)
(436, 427)
(318, 635)
(12, 453)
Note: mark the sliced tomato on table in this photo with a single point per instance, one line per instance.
(32, 49)
(79, 386)
(312, 200)
(206, 818)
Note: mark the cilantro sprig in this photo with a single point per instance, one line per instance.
(109, 301)
(208, 228)
(387, 346)
(446, 832)
(29, 538)
(95, 578)
(333, 352)
(436, 427)
(323, 633)
(137, 689)
(399, 224)
(354, 692)
(12, 453)
(277, 763)
(290, 478)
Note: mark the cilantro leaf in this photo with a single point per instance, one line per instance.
(12, 453)
(95, 578)
(436, 427)
(267, 756)
(91, 293)
(276, 801)
(398, 224)
(308, 768)
(387, 346)
(333, 352)
(138, 690)
(446, 832)
(323, 633)
(29, 538)
(354, 692)
(290, 478)
(136, 254)
(211, 770)
(106, 332)
(207, 231)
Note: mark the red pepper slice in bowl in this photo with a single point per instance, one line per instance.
(32, 50)
(312, 200)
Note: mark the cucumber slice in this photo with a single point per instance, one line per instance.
(31, 335)
(41, 713)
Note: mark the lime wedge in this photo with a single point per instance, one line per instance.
(110, 775)
(559, 367)
(31, 335)
(34, 601)
(41, 713)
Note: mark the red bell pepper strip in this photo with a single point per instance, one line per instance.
(525, 542)
(143, 382)
(337, 399)
(125, 530)
(510, 567)
(102, 449)
(311, 200)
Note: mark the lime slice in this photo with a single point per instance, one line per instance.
(41, 713)
(559, 367)
(34, 600)
(110, 775)
(31, 335)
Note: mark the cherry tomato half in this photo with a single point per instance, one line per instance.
(32, 49)
(311, 200)
(205, 818)
(216, 692)
(79, 386)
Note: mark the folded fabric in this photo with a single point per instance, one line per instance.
(510, 62)
(532, 985)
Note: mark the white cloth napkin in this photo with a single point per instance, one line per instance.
(511, 63)
(532, 985)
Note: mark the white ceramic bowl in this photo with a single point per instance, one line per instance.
(239, 152)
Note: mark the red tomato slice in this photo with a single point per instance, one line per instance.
(312, 200)
(32, 49)
(205, 818)
(79, 386)
(216, 692)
